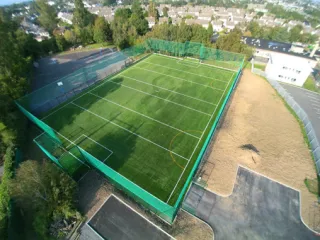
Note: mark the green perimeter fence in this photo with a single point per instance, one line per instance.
(72, 158)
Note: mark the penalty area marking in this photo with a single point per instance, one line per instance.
(83, 135)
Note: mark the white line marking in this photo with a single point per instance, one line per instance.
(206, 86)
(129, 131)
(121, 84)
(54, 111)
(69, 151)
(185, 72)
(204, 64)
(199, 141)
(312, 97)
(107, 100)
(317, 105)
(315, 101)
(134, 79)
(185, 63)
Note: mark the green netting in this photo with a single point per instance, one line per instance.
(70, 160)
(162, 209)
(75, 160)
(39, 123)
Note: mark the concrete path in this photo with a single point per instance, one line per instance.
(258, 208)
(309, 101)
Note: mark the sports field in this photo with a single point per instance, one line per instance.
(148, 122)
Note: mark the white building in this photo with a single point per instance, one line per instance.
(151, 21)
(288, 69)
(65, 17)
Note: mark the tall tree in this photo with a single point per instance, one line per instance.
(152, 10)
(210, 30)
(81, 16)
(165, 11)
(45, 192)
(101, 30)
(295, 33)
(137, 18)
(48, 15)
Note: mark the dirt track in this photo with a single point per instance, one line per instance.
(258, 116)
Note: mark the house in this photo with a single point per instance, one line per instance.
(237, 20)
(163, 20)
(205, 16)
(258, 7)
(229, 25)
(203, 23)
(288, 69)
(264, 48)
(65, 17)
(217, 26)
(151, 21)
(176, 21)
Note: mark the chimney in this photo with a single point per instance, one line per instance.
(314, 50)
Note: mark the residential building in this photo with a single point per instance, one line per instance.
(288, 69)
(203, 23)
(151, 21)
(264, 49)
(65, 17)
(217, 26)
(163, 20)
(205, 16)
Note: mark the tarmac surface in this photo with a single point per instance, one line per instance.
(258, 208)
(115, 220)
(309, 101)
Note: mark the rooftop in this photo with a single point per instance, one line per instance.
(273, 46)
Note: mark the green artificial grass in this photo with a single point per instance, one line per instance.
(148, 123)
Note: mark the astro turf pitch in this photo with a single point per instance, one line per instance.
(148, 122)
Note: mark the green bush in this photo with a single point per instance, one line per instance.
(4, 190)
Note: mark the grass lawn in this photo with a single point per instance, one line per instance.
(260, 66)
(149, 122)
(310, 85)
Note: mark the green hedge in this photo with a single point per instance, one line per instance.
(4, 191)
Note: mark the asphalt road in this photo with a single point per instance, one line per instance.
(309, 101)
(50, 70)
(258, 208)
(116, 220)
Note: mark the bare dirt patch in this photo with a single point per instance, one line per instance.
(260, 133)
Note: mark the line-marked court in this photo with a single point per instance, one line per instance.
(135, 122)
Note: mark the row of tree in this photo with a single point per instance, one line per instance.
(280, 34)
(42, 193)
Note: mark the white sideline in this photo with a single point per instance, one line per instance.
(129, 131)
(205, 64)
(109, 150)
(134, 79)
(70, 152)
(107, 100)
(190, 63)
(198, 142)
(54, 111)
(121, 84)
(207, 86)
(185, 71)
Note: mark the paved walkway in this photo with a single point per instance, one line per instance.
(116, 220)
(309, 101)
(258, 208)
